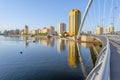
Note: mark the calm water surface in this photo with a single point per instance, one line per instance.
(25, 58)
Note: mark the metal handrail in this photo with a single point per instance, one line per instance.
(100, 55)
(102, 69)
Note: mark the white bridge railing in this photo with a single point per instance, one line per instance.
(102, 69)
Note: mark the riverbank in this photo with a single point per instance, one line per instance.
(83, 38)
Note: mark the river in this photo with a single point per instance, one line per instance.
(35, 58)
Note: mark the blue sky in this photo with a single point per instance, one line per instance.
(43, 13)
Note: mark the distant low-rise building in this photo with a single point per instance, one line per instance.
(44, 30)
(117, 32)
(55, 33)
(39, 31)
(33, 32)
(17, 31)
(110, 30)
(99, 30)
(11, 32)
(51, 30)
(89, 32)
(22, 31)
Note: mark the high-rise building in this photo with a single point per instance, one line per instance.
(99, 30)
(61, 28)
(26, 30)
(74, 22)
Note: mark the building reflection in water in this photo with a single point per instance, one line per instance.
(93, 55)
(94, 48)
(46, 41)
(61, 45)
(26, 41)
(41, 40)
(73, 56)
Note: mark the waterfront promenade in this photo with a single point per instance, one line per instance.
(115, 57)
(107, 65)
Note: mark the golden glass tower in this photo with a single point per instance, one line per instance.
(74, 22)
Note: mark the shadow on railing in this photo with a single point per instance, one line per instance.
(102, 69)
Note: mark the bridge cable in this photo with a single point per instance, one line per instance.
(104, 11)
(111, 12)
(118, 19)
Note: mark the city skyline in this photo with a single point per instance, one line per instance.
(43, 13)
